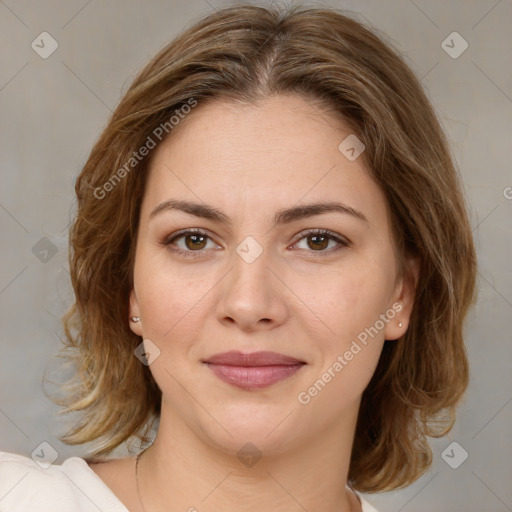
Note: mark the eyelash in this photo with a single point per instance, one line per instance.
(314, 232)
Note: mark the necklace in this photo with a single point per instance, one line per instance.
(137, 480)
(137, 477)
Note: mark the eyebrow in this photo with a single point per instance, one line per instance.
(284, 216)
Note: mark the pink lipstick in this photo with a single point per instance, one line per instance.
(253, 370)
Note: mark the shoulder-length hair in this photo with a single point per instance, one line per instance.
(246, 53)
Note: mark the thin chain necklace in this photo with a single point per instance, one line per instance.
(137, 477)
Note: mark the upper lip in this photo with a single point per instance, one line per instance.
(235, 358)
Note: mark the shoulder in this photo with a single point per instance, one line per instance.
(366, 507)
(27, 485)
(24, 483)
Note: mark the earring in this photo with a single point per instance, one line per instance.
(135, 318)
(400, 324)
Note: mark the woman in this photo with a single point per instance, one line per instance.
(272, 261)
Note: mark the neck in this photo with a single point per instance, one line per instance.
(182, 471)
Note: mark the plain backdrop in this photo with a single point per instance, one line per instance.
(53, 109)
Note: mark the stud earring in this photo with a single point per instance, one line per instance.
(135, 318)
(400, 324)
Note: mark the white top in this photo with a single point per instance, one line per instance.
(27, 486)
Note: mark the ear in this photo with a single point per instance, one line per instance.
(403, 300)
(136, 327)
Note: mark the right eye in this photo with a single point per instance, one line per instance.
(190, 241)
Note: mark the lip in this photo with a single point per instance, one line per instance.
(253, 370)
(236, 358)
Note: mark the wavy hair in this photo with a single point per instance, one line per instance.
(246, 53)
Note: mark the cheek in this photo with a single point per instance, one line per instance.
(170, 304)
(169, 299)
(347, 300)
(350, 303)
(348, 351)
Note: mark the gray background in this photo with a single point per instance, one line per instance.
(52, 110)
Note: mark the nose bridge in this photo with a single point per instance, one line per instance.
(249, 293)
(250, 261)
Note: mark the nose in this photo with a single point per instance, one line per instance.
(253, 295)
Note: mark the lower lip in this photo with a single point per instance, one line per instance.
(253, 377)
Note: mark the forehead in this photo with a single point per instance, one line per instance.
(277, 152)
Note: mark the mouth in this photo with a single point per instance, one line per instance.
(254, 370)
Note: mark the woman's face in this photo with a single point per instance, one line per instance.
(258, 277)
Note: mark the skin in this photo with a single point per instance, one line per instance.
(249, 162)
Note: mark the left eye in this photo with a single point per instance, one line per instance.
(319, 241)
(195, 241)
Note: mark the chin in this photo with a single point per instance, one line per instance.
(265, 427)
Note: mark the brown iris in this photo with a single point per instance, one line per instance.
(318, 245)
(197, 241)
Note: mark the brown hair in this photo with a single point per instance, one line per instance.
(246, 53)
